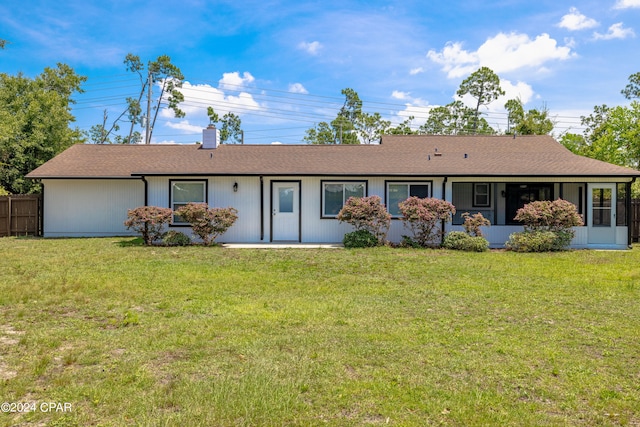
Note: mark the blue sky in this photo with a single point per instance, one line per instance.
(280, 65)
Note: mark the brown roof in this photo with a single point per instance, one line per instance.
(424, 155)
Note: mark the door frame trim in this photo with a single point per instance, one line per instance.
(593, 229)
(287, 181)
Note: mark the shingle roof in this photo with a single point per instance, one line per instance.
(424, 155)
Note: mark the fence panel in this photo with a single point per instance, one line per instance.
(20, 215)
(635, 220)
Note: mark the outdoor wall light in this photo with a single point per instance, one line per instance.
(235, 187)
(503, 193)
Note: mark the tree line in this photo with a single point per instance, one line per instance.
(354, 126)
(36, 119)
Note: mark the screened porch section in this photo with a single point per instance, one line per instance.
(500, 201)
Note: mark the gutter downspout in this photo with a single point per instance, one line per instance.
(146, 186)
(40, 232)
(444, 192)
(261, 208)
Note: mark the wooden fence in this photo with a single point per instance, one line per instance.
(21, 215)
(635, 220)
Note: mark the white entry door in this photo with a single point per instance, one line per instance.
(602, 219)
(285, 211)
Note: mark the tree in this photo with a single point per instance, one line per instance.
(162, 72)
(632, 90)
(454, 119)
(3, 43)
(403, 128)
(370, 127)
(321, 134)
(484, 86)
(349, 124)
(231, 126)
(611, 135)
(35, 115)
(98, 134)
(532, 122)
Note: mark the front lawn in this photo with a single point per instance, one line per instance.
(194, 336)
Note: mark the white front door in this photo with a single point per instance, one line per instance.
(602, 216)
(285, 211)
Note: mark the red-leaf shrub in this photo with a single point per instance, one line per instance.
(545, 215)
(472, 224)
(367, 213)
(207, 223)
(148, 221)
(424, 216)
(548, 226)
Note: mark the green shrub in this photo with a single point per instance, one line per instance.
(360, 239)
(175, 238)
(539, 241)
(461, 241)
(408, 242)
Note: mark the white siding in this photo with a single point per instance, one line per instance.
(97, 207)
(322, 230)
(220, 195)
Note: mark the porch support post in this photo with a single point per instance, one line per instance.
(444, 193)
(629, 213)
(495, 203)
(261, 208)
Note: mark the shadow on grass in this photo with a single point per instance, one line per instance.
(137, 241)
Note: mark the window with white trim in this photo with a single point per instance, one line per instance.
(400, 191)
(184, 192)
(336, 193)
(481, 195)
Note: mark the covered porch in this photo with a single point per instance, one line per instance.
(604, 205)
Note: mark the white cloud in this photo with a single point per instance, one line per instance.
(242, 103)
(415, 71)
(311, 48)
(185, 126)
(417, 108)
(520, 90)
(298, 88)
(575, 20)
(502, 53)
(616, 31)
(197, 97)
(627, 4)
(400, 95)
(511, 91)
(455, 60)
(233, 81)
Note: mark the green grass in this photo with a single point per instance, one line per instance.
(194, 336)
